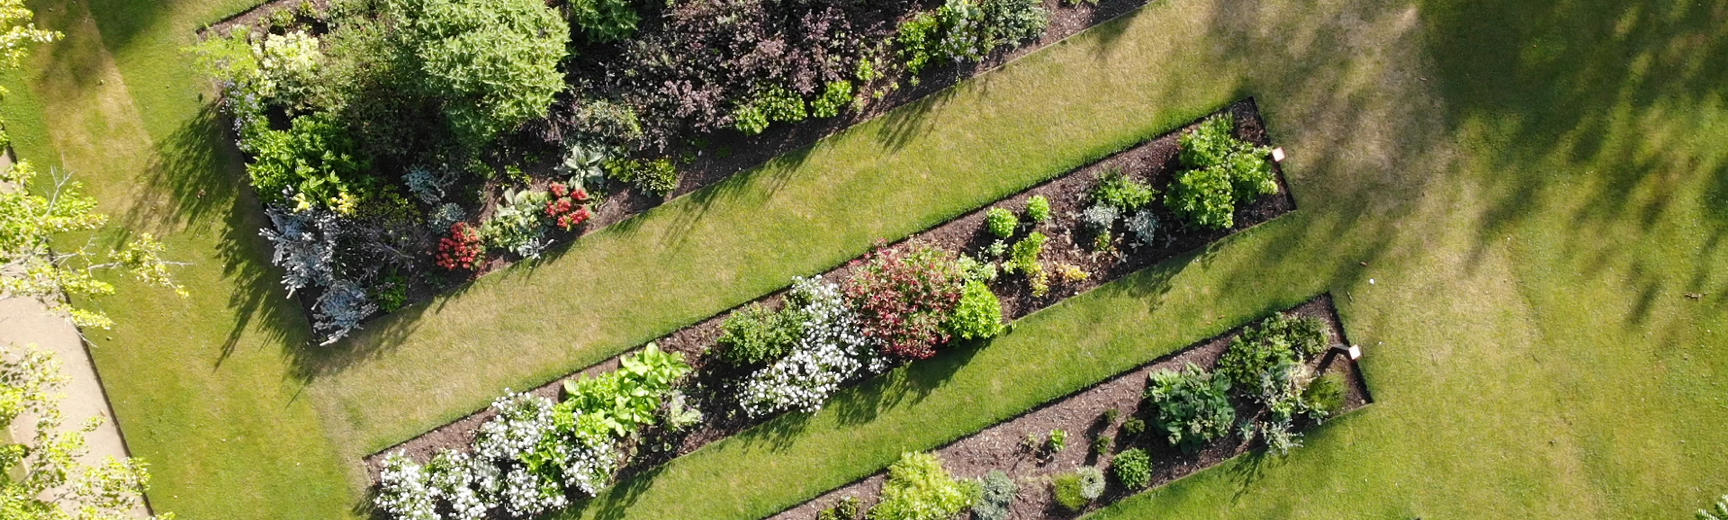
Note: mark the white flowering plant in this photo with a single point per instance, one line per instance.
(832, 351)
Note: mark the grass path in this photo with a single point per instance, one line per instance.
(1533, 200)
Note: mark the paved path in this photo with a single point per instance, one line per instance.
(28, 322)
(25, 321)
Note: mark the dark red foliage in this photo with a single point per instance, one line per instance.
(905, 295)
(462, 250)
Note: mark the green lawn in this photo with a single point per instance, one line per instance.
(1533, 190)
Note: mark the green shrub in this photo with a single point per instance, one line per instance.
(1001, 222)
(835, 96)
(918, 37)
(1023, 257)
(1264, 345)
(979, 314)
(1190, 407)
(492, 64)
(1102, 444)
(775, 104)
(1056, 441)
(623, 401)
(519, 225)
(657, 177)
(1109, 417)
(1133, 468)
(1223, 172)
(1203, 198)
(1304, 335)
(1119, 190)
(314, 164)
(918, 488)
(997, 496)
(845, 509)
(1078, 489)
(604, 20)
(756, 334)
(1325, 395)
(1133, 428)
(1038, 209)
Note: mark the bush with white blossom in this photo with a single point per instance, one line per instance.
(832, 351)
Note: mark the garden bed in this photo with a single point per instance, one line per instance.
(1002, 447)
(1070, 242)
(701, 160)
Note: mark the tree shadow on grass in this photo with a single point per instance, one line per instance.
(196, 179)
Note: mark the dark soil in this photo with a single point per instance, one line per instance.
(1003, 447)
(723, 153)
(710, 386)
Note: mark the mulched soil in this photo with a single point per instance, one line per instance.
(1154, 161)
(1002, 447)
(724, 153)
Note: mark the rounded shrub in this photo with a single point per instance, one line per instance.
(979, 314)
(1076, 490)
(1038, 208)
(1133, 468)
(1001, 222)
(756, 334)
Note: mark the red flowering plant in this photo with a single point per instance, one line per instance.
(904, 295)
(568, 207)
(464, 249)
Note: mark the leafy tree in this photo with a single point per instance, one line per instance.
(30, 268)
(492, 63)
(41, 478)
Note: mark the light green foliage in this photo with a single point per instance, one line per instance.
(519, 226)
(1076, 490)
(604, 20)
(41, 478)
(1222, 173)
(757, 334)
(1001, 222)
(979, 314)
(776, 104)
(919, 488)
(835, 97)
(657, 176)
(287, 68)
(1190, 407)
(918, 37)
(1133, 468)
(492, 63)
(1119, 190)
(1038, 209)
(32, 218)
(1023, 257)
(624, 401)
(1056, 441)
(314, 164)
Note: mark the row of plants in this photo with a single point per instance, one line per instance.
(1263, 390)
(910, 301)
(535, 454)
(392, 139)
